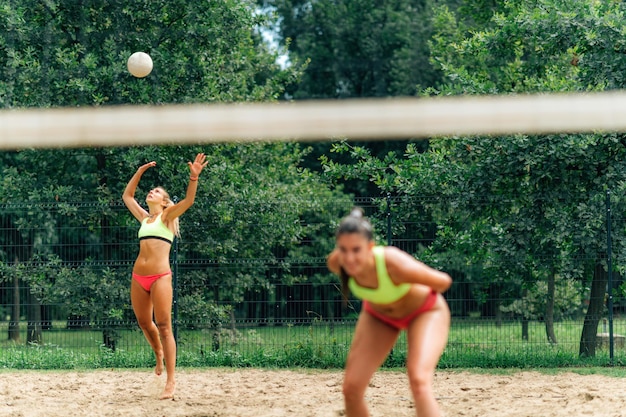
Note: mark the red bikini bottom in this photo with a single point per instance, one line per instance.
(402, 323)
(146, 281)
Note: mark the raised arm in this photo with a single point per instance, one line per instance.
(129, 193)
(402, 267)
(195, 168)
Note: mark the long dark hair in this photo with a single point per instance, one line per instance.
(355, 222)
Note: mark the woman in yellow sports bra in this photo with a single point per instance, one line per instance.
(151, 284)
(398, 293)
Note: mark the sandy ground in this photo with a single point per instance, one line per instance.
(254, 392)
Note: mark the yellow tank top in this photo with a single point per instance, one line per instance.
(155, 230)
(387, 292)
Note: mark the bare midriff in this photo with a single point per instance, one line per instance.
(153, 258)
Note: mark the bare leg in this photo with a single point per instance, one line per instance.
(427, 337)
(161, 293)
(371, 344)
(142, 306)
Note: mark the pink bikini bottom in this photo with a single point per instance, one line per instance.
(146, 281)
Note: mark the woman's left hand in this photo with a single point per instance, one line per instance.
(195, 168)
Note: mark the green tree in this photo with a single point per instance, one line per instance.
(69, 53)
(531, 49)
(360, 48)
(356, 49)
(541, 199)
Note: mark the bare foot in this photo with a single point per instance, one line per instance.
(168, 391)
(158, 369)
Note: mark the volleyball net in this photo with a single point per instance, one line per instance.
(359, 119)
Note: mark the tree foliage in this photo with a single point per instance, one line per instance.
(65, 53)
(542, 199)
(360, 48)
(73, 53)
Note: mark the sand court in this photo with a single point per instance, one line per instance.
(260, 392)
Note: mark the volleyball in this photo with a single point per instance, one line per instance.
(139, 64)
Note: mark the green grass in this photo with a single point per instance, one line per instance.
(473, 344)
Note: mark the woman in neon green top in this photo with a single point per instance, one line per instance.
(151, 284)
(398, 293)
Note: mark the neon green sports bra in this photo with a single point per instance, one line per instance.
(155, 230)
(387, 292)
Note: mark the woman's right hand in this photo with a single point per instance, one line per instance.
(144, 167)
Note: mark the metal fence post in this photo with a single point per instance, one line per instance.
(175, 286)
(175, 290)
(609, 260)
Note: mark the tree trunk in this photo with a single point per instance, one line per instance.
(498, 315)
(594, 311)
(216, 333)
(525, 322)
(233, 323)
(549, 316)
(109, 339)
(33, 330)
(14, 322)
